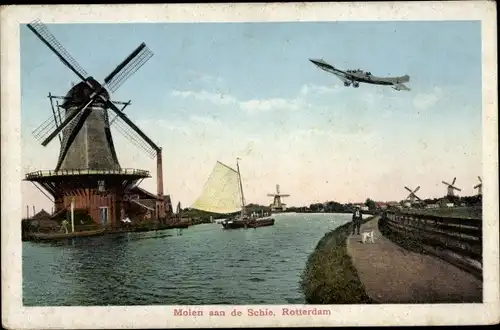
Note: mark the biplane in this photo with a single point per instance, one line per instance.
(355, 77)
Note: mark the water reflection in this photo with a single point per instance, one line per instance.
(204, 265)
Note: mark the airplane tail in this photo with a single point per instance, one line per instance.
(401, 87)
(405, 79)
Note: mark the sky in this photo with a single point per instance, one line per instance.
(218, 91)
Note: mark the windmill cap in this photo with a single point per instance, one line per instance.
(79, 94)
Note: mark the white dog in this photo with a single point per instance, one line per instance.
(368, 237)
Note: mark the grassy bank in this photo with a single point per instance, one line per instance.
(329, 276)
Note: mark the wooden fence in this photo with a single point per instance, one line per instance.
(455, 240)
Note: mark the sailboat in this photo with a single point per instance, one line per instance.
(223, 194)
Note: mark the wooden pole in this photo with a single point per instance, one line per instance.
(241, 188)
(73, 215)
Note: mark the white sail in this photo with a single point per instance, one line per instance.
(221, 193)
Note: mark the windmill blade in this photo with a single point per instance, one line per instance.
(454, 179)
(477, 186)
(417, 197)
(278, 189)
(55, 115)
(44, 129)
(408, 189)
(41, 31)
(457, 188)
(446, 183)
(285, 195)
(108, 136)
(416, 189)
(133, 137)
(126, 104)
(65, 123)
(480, 179)
(131, 124)
(408, 197)
(72, 134)
(271, 195)
(128, 67)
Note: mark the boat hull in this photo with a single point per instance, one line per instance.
(254, 223)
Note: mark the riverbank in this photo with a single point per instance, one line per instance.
(99, 231)
(329, 276)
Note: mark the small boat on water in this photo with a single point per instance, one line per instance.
(223, 194)
(247, 223)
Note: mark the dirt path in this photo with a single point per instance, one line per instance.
(393, 275)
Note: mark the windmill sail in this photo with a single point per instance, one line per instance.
(221, 193)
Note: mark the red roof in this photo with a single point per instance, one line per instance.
(144, 194)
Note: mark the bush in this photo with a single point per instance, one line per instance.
(330, 277)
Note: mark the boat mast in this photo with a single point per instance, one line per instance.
(241, 188)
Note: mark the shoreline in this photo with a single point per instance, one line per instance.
(56, 236)
(329, 276)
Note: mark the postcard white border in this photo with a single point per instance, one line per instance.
(14, 315)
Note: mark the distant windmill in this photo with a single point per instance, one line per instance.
(479, 186)
(277, 205)
(451, 188)
(179, 210)
(412, 195)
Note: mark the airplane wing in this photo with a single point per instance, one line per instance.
(327, 67)
(342, 77)
(400, 87)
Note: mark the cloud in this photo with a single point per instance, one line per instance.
(309, 89)
(258, 105)
(203, 78)
(203, 95)
(252, 106)
(424, 101)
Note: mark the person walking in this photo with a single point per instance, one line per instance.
(64, 226)
(356, 220)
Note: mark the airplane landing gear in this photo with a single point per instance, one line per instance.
(347, 84)
(355, 85)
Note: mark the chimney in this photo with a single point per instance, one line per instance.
(159, 174)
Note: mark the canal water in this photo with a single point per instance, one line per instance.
(203, 264)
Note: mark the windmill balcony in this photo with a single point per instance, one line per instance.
(123, 171)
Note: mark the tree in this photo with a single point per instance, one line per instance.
(371, 204)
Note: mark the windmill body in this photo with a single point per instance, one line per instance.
(278, 206)
(479, 187)
(92, 147)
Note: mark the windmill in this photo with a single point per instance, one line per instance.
(83, 125)
(479, 187)
(451, 188)
(412, 196)
(179, 210)
(277, 205)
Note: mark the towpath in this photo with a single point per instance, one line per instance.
(394, 275)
